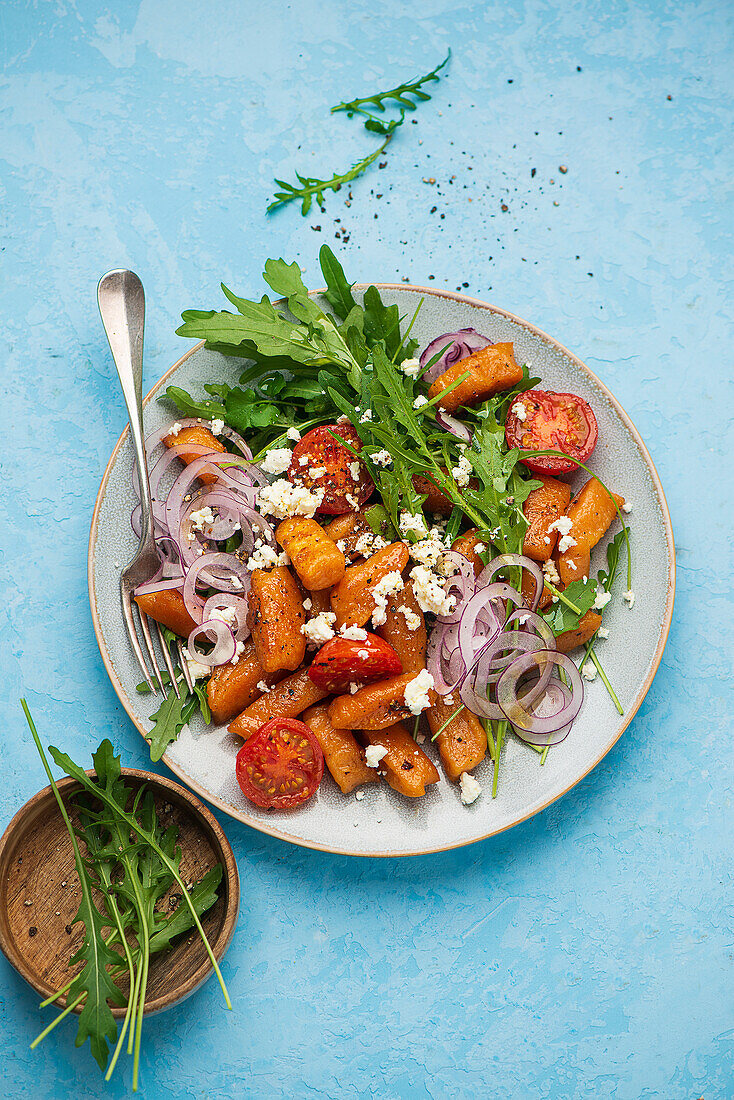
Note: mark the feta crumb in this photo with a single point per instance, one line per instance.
(448, 700)
(352, 501)
(601, 600)
(571, 565)
(366, 417)
(627, 506)
(520, 411)
(411, 524)
(276, 461)
(420, 738)
(416, 692)
(602, 632)
(562, 525)
(224, 615)
(412, 618)
(565, 543)
(303, 460)
(470, 788)
(316, 471)
(546, 540)
(550, 572)
(217, 426)
(353, 688)
(368, 544)
(629, 598)
(196, 668)
(263, 687)
(281, 499)
(420, 402)
(411, 367)
(359, 796)
(589, 671)
(388, 586)
(462, 472)
(382, 458)
(307, 604)
(265, 557)
(319, 629)
(373, 754)
(239, 649)
(354, 469)
(353, 633)
(201, 518)
(293, 434)
(175, 429)
(429, 592)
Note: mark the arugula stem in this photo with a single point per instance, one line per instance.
(447, 722)
(62, 1015)
(564, 599)
(407, 331)
(605, 681)
(490, 740)
(544, 757)
(501, 729)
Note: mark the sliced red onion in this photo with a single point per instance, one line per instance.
(502, 561)
(164, 584)
(554, 698)
(451, 424)
(214, 630)
(529, 720)
(530, 620)
(463, 342)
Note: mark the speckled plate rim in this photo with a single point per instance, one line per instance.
(265, 827)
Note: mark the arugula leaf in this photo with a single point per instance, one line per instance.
(168, 721)
(338, 290)
(400, 95)
(313, 188)
(614, 551)
(560, 617)
(203, 896)
(183, 401)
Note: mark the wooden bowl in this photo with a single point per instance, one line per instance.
(39, 892)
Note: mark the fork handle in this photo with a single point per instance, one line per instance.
(122, 307)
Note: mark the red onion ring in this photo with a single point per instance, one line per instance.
(222, 600)
(528, 719)
(451, 424)
(225, 646)
(463, 342)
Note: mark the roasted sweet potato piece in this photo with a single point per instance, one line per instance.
(570, 639)
(402, 613)
(200, 437)
(352, 599)
(320, 601)
(541, 509)
(407, 768)
(275, 618)
(289, 698)
(490, 370)
(347, 530)
(469, 545)
(168, 608)
(315, 557)
(435, 501)
(344, 757)
(375, 706)
(231, 688)
(462, 743)
(591, 513)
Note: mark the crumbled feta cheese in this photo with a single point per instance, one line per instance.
(388, 586)
(562, 525)
(319, 629)
(303, 460)
(239, 649)
(369, 543)
(627, 506)
(353, 633)
(235, 581)
(366, 416)
(197, 670)
(550, 572)
(217, 426)
(629, 598)
(546, 540)
(342, 419)
(359, 796)
(293, 434)
(352, 501)
(428, 551)
(412, 524)
(307, 604)
(202, 518)
(416, 692)
(382, 458)
(520, 411)
(479, 547)
(363, 654)
(462, 472)
(571, 565)
(281, 499)
(470, 788)
(565, 543)
(602, 632)
(412, 618)
(448, 700)
(373, 754)
(411, 367)
(420, 402)
(316, 471)
(355, 469)
(263, 687)
(353, 689)
(420, 738)
(429, 592)
(224, 615)
(589, 671)
(175, 429)
(265, 557)
(276, 461)
(601, 600)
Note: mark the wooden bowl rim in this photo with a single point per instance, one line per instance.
(220, 843)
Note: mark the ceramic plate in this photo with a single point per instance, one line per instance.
(384, 823)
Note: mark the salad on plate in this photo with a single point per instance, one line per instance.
(371, 549)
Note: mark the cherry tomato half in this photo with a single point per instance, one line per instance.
(343, 492)
(344, 661)
(281, 765)
(553, 421)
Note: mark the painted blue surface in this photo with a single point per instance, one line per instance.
(587, 953)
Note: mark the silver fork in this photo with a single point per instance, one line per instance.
(122, 307)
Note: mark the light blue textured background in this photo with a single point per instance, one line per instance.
(587, 953)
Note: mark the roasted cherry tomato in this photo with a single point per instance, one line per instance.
(344, 661)
(334, 464)
(552, 421)
(281, 765)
